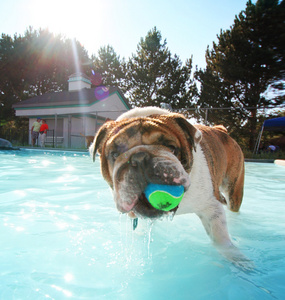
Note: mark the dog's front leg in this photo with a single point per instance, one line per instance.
(214, 221)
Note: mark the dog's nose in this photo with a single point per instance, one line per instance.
(139, 158)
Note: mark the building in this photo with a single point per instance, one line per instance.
(75, 114)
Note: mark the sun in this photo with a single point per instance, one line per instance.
(70, 18)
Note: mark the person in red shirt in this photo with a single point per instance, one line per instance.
(43, 133)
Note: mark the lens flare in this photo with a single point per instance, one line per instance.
(96, 78)
(75, 56)
(101, 92)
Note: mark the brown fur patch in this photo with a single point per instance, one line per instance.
(221, 128)
(226, 163)
(88, 138)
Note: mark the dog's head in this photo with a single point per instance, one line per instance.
(138, 150)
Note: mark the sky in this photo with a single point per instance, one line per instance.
(188, 26)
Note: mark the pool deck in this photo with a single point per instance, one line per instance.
(280, 162)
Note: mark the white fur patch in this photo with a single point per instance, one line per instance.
(198, 197)
(198, 135)
(143, 112)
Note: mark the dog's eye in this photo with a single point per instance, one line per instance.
(173, 149)
(114, 155)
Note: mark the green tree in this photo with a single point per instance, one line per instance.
(108, 68)
(246, 61)
(155, 76)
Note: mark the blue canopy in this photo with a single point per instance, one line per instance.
(276, 124)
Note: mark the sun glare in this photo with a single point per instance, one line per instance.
(72, 19)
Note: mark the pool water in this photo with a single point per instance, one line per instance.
(62, 238)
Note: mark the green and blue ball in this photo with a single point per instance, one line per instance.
(164, 197)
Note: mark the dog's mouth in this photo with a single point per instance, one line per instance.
(131, 182)
(144, 209)
(141, 207)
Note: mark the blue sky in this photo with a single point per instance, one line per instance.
(187, 25)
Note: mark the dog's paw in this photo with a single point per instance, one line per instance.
(234, 255)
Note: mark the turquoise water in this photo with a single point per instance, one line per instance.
(62, 238)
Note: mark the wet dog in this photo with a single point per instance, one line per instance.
(153, 145)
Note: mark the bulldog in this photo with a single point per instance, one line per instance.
(153, 145)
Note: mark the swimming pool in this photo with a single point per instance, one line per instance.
(62, 238)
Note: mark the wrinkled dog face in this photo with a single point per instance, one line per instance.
(137, 151)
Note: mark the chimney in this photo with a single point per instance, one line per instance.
(78, 81)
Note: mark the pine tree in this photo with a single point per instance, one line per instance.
(108, 68)
(246, 61)
(155, 77)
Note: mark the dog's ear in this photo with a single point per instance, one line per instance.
(193, 135)
(99, 138)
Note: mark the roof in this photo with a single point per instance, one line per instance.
(79, 74)
(67, 98)
(276, 124)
